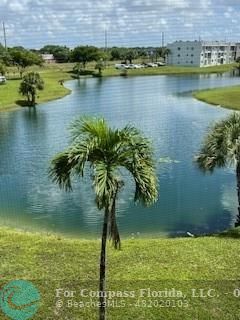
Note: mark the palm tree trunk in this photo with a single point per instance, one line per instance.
(33, 101)
(237, 223)
(102, 275)
(113, 228)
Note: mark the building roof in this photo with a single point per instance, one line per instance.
(47, 56)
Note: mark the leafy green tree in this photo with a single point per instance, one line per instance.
(117, 53)
(107, 150)
(162, 53)
(23, 58)
(221, 148)
(130, 55)
(61, 53)
(5, 57)
(126, 54)
(31, 83)
(3, 69)
(85, 54)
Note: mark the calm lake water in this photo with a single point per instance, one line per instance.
(163, 108)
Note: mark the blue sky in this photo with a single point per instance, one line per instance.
(33, 23)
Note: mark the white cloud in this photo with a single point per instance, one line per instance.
(138, 22)
(188, 25)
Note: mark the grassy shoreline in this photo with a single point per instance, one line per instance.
(227, 97)
(51, 74)
(52, 262)
(169, 70)
(53, 89)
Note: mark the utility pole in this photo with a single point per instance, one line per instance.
(106, 39)
(162, 40)
(4, 34)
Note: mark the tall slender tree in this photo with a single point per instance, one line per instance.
(221, 148)
(100, 65)
(107, 151)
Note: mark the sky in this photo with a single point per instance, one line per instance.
(34, 23)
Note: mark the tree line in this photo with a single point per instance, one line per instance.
(65, 54)
(22, 57)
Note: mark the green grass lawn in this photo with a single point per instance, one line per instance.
(52, 262)
(228, 97)
(53, 90)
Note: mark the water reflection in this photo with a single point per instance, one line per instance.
(160, 107)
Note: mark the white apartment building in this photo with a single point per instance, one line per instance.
(202, 53)
(237, 50)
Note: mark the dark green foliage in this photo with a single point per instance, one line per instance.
(85, 54)
(61, 53)
(31, 83)
(23, 58)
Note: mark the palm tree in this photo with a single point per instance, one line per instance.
(107, 151)
(162, 52)
(31, 83)
(222, 148)
(100, 65)
(78, 69)
(167, 52)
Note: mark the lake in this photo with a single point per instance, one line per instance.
(163, 108)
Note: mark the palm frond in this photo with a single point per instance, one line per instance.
(137, 158)
(92, 127)
(107, 150)
(214, 151)
(60, 170)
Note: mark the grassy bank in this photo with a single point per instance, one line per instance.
(174, 70)
(185, 263)
(228, 97)
(9, 95)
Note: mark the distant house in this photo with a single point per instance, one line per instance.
(202, 53)
(48, 58)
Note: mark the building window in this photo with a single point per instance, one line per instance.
(179, 55)
(179, 48)
(192, 55)
(191, 62)
(192, 48)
